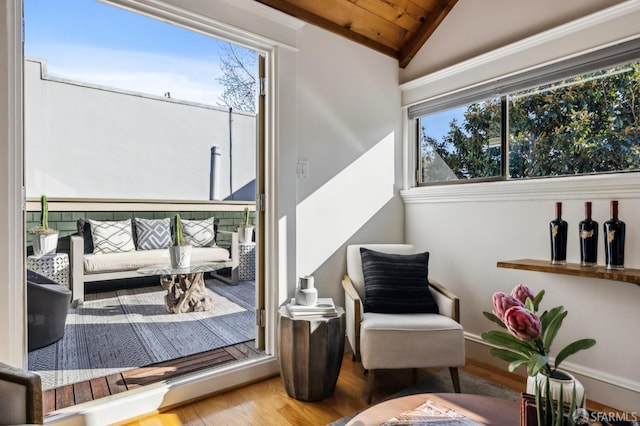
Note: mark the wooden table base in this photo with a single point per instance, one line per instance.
(188, 294)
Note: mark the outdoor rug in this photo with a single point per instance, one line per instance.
(441, 383)
(129, 328)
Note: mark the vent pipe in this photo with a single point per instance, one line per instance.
(214, 174)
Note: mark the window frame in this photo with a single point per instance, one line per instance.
(617, 54)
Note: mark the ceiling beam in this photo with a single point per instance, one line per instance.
(435, 17)
(293, 10)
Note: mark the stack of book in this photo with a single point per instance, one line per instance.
(324, 308)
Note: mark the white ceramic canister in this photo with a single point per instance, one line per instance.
(306, 293)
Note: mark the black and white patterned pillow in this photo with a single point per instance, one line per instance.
(153, 233)
(396, 283)
(111, 236)
(199, 233)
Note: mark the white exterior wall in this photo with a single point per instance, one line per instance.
(84, 141)
(468, 228)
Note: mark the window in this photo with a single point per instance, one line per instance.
(577, 117)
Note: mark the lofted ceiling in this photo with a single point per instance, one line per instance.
(397, 28)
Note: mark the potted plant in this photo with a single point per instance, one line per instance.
(245, 231)
(43, 238)
(180, 251)
(527, 341)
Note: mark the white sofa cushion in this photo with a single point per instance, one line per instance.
(130, 261)
(410, 341)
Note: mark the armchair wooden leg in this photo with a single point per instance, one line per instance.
(371, 374)
(455, 379)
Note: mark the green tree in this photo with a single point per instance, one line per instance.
(587, 124)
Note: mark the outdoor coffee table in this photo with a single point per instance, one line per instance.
(185, 287)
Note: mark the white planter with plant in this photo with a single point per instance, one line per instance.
(44, 239)
(180, 251)
(245, 231)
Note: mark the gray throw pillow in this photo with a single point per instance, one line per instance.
(396, 283)
(153, 233)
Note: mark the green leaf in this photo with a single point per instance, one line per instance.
(516, 364)
(506, 355)
(529, 305)
(548, 316)
(572, 348)
(538, 299)
(493, 318)
(552, 330)
(535, 363)
(508, 341)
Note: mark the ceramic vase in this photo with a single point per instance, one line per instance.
(44, 243)
(180, 256)
(306, 293)
(556, 386)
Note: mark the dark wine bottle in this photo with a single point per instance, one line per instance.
(588, 238)
(558, 233)
(614, 239)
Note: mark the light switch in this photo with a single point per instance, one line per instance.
(302, 169)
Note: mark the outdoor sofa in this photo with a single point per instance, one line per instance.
(122, 259)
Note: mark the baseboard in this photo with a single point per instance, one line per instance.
(599, 386)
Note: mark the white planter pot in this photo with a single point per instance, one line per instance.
(245, 234)
(180, 256)
(44, 243)
(555, 386)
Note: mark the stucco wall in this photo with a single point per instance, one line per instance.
(84, 141)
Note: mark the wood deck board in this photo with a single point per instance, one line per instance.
(77, 393)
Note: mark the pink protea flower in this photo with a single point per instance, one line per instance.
(521, 292)
(522, 323)
(502, 302)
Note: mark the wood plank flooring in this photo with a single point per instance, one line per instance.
(267, 403)
(77, 393)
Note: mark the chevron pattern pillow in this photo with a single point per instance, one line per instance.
(153, 233)
(199, 233)
(111, 236)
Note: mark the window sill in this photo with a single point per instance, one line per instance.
(592, 187)
(627, 275)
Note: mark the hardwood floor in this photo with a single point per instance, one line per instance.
(77, 393)
(267, 403)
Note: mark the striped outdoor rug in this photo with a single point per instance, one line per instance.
(130, 328)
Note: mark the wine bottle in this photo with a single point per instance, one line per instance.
(558, 233)
(588, 238)
(614, 239)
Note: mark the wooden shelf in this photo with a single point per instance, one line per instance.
(627, 275)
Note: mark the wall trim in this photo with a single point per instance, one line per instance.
(601, 376)
(581, 24)
(593, 187)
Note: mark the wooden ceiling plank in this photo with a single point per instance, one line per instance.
(353, 17)
(436, 16)
(312, 18)
(403, 13)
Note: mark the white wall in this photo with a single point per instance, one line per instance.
(84, 141)
(468, 228)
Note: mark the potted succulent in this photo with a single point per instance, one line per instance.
(245, 231)
(43, 238)
(180, 250)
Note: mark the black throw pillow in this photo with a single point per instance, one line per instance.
(396, 283)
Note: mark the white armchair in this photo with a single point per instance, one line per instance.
(401, 340)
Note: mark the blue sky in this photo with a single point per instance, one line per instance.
(93, 42)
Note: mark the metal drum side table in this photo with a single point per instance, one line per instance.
(247, 262)
(311, 352)
(53, 266)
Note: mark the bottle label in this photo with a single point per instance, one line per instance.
(611, 235)
(554, 230)
(586, 234)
